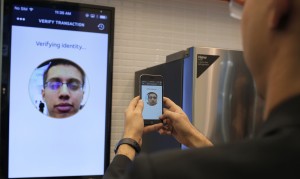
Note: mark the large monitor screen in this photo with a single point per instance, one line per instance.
(57, 89)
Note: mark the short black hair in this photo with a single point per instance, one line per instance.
(151, 93)
(60, 61)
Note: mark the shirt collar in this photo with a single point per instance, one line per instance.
(287, 114)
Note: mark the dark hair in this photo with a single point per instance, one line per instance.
(60, 61)
(151, 93)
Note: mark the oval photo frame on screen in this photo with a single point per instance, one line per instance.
(58, 88)
(151, 102)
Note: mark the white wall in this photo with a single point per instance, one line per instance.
(148, 30)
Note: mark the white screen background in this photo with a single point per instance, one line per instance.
(152, 112)
(43, 146)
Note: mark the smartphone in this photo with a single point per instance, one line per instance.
(151, 92)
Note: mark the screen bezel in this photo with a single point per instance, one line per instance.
(151, 77)
(4, 130)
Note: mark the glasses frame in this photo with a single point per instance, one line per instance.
(236, 8)
(61, 84)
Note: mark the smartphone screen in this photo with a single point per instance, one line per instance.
(151, 87)
(59, 89)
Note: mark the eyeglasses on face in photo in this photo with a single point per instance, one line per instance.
(56, 85)
(152, 97)
(236, 8)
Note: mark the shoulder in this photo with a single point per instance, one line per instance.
(250, 158)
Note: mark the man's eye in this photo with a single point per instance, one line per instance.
(54, 85)
(74, 85)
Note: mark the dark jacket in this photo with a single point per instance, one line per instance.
(275, 152)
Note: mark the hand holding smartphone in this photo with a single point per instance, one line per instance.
(151, 92)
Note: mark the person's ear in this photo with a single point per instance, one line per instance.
(279, 13)
(43, 94)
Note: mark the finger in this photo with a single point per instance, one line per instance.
(169, 133)
(168, 115)
(164, 132)
(164, 122)
(165, 99)
(139, 106)
(133, 103)
(154, 127)
(171, 105)
(163, 116)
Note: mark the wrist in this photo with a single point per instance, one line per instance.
(197, 140)
(134, 137)
(126, 150)
(201, 141)
(128, 147)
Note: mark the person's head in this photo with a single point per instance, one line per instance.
(152, 98)
(271, 44)
(63, 83)
(270, 34)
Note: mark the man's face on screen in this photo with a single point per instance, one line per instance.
(152, 99)
(63, 91)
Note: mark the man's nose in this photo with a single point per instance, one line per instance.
(64, 91)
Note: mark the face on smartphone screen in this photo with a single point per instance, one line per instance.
(151, 92)
(59, 79)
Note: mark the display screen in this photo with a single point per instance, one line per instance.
(151, 94)
(59, 91)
